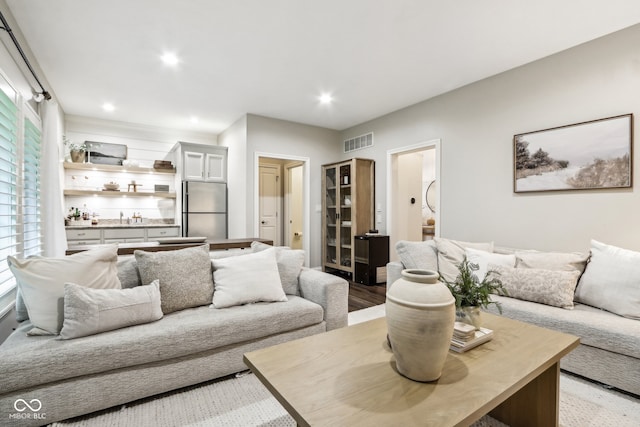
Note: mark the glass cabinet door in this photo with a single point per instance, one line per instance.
(345, 215)
(331, 220)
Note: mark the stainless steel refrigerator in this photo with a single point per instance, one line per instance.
(204, 209)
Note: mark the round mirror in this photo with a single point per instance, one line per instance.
(430, 196)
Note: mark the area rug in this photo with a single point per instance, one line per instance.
(243, 401)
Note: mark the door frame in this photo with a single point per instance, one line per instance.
(392, 178)
(287, 198)
(306, 208)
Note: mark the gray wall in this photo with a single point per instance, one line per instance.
(476, 125)
(279, 137)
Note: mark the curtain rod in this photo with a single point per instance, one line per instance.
(6, 27)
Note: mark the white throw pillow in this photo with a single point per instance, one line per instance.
(451, 253)
(611, 280)
(289, 265)
(247, 279)
(42, 282)
(92, 311)
(484, 258)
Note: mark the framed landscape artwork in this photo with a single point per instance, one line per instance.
(583, 156)
(105, 153)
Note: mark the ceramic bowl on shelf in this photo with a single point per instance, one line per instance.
(111, 186)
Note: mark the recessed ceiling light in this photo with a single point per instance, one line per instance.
(170, 59)
(107, 106)
(194, 119)
(326, 98)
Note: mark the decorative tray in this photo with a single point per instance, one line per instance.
(174, 240)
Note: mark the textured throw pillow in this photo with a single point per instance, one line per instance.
(128, 272)
(42, 282)
(611, 280)
(422, 255)
(551, 260)
(247, 279)
(483, 259)
(550, 287)
(184, 274)
(289, 265)
(451, 253)
(92, 311)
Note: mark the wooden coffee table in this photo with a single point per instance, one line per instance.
(348, 377)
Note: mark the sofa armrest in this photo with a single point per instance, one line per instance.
(394, 272)
(329, 291)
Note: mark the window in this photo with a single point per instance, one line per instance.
(20, 220)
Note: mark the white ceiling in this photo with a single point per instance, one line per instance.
(275, 57)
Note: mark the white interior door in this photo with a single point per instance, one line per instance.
(270, 203)
(294, 202)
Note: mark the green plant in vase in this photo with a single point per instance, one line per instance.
(76, 151)
(472, 294)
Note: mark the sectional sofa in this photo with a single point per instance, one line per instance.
(595, 296)
(144, 336)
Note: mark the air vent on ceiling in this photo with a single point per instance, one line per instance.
(358, 142)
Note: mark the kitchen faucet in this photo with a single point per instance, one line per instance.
(121, 215)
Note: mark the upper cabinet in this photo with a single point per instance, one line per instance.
(200, 162)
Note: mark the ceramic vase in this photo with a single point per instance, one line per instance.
(470, 315)
(77, 156)
(420, 316)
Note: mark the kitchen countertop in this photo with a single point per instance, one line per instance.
(134, 225)
(129, 248)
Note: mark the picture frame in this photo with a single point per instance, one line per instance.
(105, 153)
(590, 155)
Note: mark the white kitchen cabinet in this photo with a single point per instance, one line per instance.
(83, 237)
(200, 162)
(154, 233)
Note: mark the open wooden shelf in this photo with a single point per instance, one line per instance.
(165, 195)
(115, 168)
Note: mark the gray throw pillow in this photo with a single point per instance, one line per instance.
(452, 252)
(185, 276)
(92, 311)
(128, 271)
(289, 265)
(422, 255)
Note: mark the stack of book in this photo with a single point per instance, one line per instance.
(466, 337)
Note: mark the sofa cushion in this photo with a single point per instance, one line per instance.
(184, 274)
(484, 258)
(551, 260)
(595, 327)
(91, 311)
(29, 361)
(289, 265)
(451, 253)
(42, 282)
(551, 287)
(128, 272)
(421, 255)
(247, 279)
(611, 280)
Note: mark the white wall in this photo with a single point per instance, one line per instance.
(235, 138)
(279, 137)
(145, 144)
(476, 125)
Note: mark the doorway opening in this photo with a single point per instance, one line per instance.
(282, 200)
(413, 193)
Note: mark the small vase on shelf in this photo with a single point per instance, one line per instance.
(77, 156)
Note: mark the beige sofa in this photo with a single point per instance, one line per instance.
(609, 350)
(189, 346)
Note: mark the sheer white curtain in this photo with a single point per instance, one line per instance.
(54, 237)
